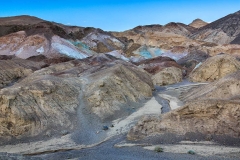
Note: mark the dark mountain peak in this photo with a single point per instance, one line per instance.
(171, 24)
(144, 28)
(147, 26)
(179, 26)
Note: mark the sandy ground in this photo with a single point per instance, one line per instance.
(40, 146)
(152, 107)
(198, 148)
(203, 148)
(173, 101)
(133, 152)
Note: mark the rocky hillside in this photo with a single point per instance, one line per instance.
(81, 85)
(48, 99)
(208, 117)
(214, 68)
(157, 35)
(211, 110)
(213, 38)
(26, 36)
(223, 31)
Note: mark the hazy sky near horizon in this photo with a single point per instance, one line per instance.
(119, 15)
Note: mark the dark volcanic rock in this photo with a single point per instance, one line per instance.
(5, 57)
(236, 40)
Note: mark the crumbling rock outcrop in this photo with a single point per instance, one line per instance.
(214, 68)
(226, 88)
(114, 87)
(208, 117)
(29, 108)
(167, 76)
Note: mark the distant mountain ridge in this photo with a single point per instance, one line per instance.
(26, 36)
(20, 20)
(30, 36)
(223, 31)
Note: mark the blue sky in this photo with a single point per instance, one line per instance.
(119, 15)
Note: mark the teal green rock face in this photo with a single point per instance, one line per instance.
(79, 44)
(148, 52)
(82, 47)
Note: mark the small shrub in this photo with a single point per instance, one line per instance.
(191, 152)
(158, 149)
(105, 128)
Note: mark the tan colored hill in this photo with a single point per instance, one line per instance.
(198, 23)
(214, 68)
(170, 75)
